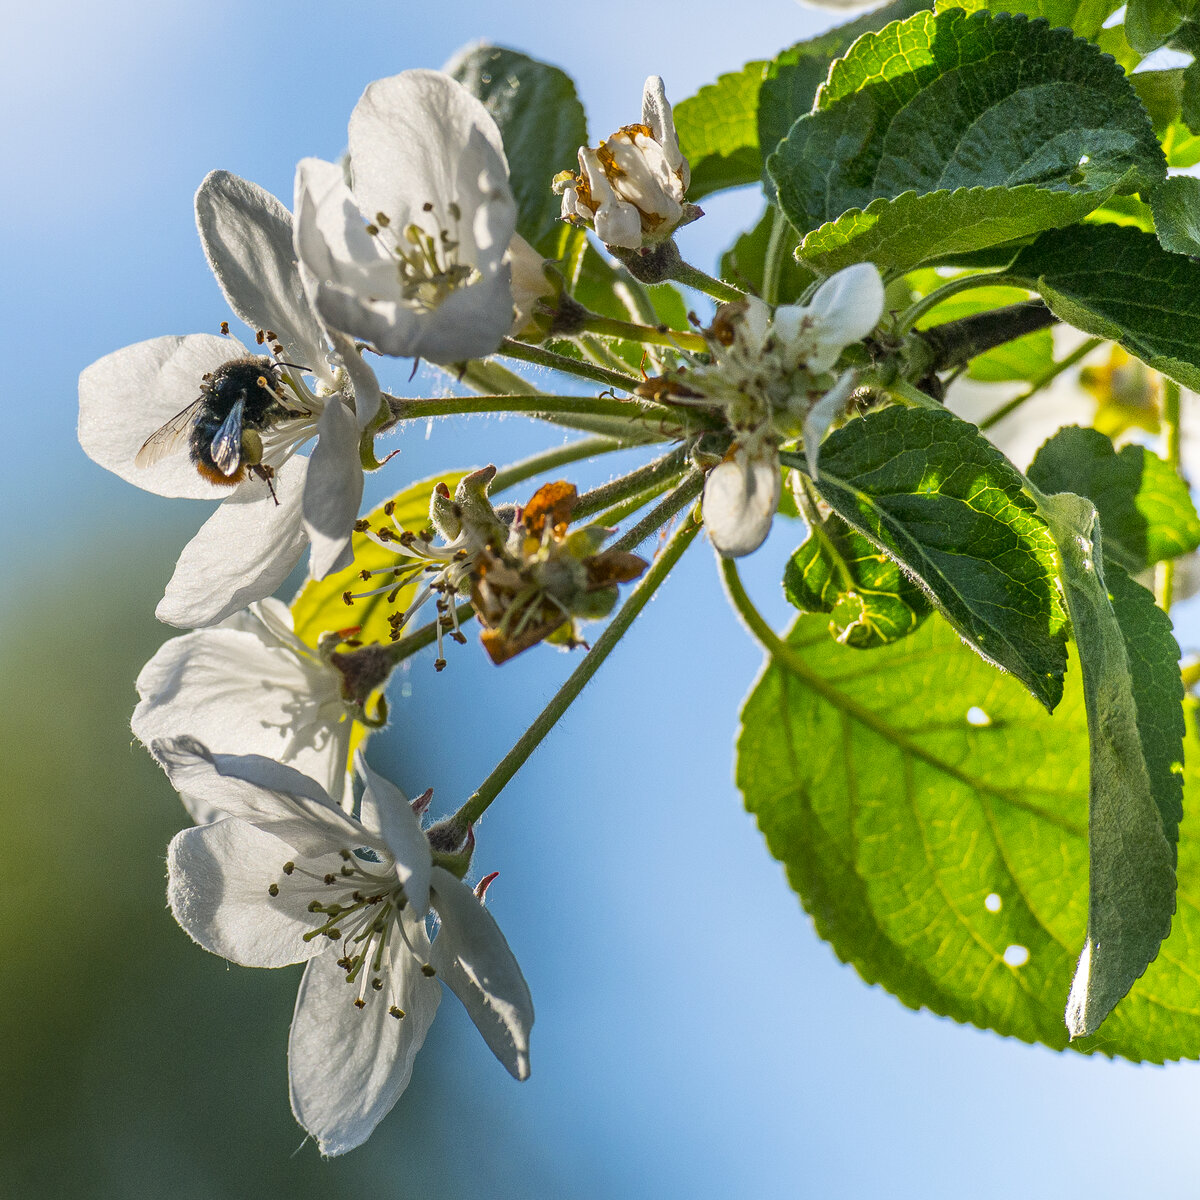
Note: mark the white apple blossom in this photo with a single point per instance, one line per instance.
(285, 876)
(631, 188)
(419, 258)
(251, 686)
(771, 372)
(132, 407)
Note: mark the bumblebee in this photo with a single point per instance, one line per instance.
(223, 427)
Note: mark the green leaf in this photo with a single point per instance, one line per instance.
(1120, 284)
(723, 126)
(871, 601)
(1176, 207)
(1134, 792)
(1153, 23)
(1145, 508)
(541, 121)
(745, 261)
(320, 605)
(1160, 92)
(932, 817)
(950, 508)
(946, 134)
(1189, 103)
(1085, 17)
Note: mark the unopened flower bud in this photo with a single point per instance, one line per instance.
(630, 189)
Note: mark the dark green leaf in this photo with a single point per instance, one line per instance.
(1189, 103)
(1160, 92)
(1134, 802)
(1122, 285)
(1153, 23)
(722, 127)
(932, 818)
(946, 134)
(1176, 207)
(541, 121)
(924, 486)
(1145, 508)
(871, 601)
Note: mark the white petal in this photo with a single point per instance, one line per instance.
(242, 553)
(822, 415)
(129, 394)
(740, 499)
(348, 1066)
(332, 490)
(247, 237)
(528, 281)
(239, 691)
(268, 795)
(367, 394)
(656, 112)
(387, 812)
(470, 323)
(421, 138)
(331, 234)
(847, 306)
(474, 961)
(217, 885)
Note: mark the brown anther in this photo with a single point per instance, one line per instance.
(330, 878)
(359, 1002)
(272, 336)
(347, 872)
(382, 220)
(224, 328)
(377, 984)
(364, 575)
(428, 970)
(273, 890)
(427, 206)
(347, 599)
(288, 867)
(398, 1013)
(373, 230)
(389, 508)
(439, 664)
(361, 526)
(260, 337)
(333, 934)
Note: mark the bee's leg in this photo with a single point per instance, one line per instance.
(266, 474)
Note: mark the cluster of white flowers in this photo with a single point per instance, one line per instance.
(299, 852)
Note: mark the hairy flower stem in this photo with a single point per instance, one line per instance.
(529, 741)
(570, 366)
(963, 283)
(693, 277)
(773, 264)
(1164, 576)
(1051, 373)
(635, 481)
(660, 514)
(647, 335)
(955, 343)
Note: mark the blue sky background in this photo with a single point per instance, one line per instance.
(694, 1037)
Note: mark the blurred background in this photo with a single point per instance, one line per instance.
(694, 1038)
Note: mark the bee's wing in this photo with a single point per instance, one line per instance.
(169, 437)
(227, 441)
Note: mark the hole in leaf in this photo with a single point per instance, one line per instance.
(976, 716)
(1016, 956)
(992, 902)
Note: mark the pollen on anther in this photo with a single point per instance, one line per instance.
(359, 1002)
(398, 1013)
(273, 890)
(428, 970)
(260, 337)
(331, 878)
(377, 984)
(224, 328)
(288, 867)
(347, 599)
